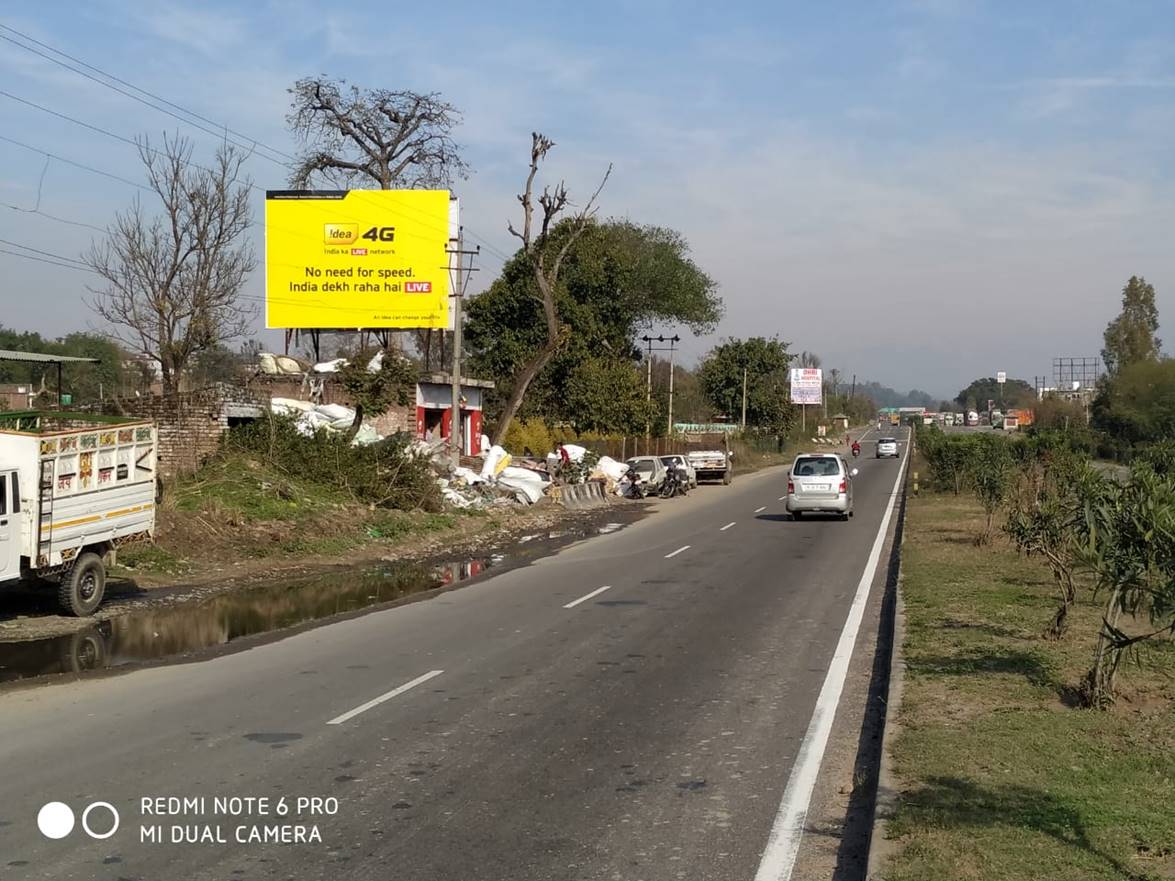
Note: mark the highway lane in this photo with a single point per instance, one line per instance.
(630, 707)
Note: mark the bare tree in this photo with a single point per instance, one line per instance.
(381, 138)
(173, 280)
(545, 268)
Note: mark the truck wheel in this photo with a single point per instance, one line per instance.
(727, 476)
(81, 590)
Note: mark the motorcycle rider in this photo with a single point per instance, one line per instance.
(856, 449)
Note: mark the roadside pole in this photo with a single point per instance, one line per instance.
(456, 424)
(744, 425)
(669, 428)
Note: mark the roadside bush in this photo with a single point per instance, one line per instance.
(384, 474)
(990, 470)
(1131, 550)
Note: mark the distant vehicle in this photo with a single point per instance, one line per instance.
(895, 419)
(712, 464)
(928, 419)
(73, 488)
(820, 483)
(1011, 422)
(676, 460)
(651, 471)
(960, 419)
(887, 447)
(948, 419)
(972, 418)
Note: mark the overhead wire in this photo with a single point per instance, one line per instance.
(221, 131)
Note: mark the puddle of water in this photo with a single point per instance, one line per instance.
(154, 633)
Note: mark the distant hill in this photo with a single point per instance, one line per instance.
(883, 396)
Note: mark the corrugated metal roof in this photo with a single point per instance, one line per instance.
(12, 355)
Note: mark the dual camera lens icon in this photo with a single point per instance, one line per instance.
(56, 819)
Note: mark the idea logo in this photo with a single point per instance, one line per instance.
(340, 233)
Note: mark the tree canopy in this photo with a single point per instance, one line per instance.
(765, 365)
(1015, 393)
(617, 279)
(86, 382)
(1131, 337)
(1137, 403)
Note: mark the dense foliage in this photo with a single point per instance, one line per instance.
(758, 364)
(617, 281)
(383, 474)
(1119, 533)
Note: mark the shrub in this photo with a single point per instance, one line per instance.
(383, 474)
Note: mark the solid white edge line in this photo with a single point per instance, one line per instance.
(783, 844)
(764, 508)
(678, 551)
(783, 498)
(728, 525)
(387, 696)
(586, 597)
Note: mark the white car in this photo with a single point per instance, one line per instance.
(820, 483)
(676, 460)
(887, 448)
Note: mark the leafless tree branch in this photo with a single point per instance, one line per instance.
(173, 281)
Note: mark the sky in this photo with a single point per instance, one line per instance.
(921, 191)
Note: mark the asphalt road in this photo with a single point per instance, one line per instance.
(633, 707)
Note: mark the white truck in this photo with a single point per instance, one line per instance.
(73, 488)
(716, 463)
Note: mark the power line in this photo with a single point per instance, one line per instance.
(49, 216)
(43, 260)
(80, 165)
(221, 131)
(39, 251)
(143, 146)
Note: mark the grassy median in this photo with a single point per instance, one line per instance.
(1002, 775)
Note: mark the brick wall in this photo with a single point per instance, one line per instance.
(191, 423)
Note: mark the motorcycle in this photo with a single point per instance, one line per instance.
(856, 451)
(636, 489)
(674, 484)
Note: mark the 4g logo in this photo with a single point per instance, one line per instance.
(348, 233)
(381, 234)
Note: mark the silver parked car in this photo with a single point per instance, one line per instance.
(676, 460)
(820, 483)
(651, 469)
(887, 447)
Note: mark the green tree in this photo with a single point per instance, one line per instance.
(1131, 550)
(373, 391)
(608, 396)
(616, 280)
(1015, 393)
(764, 363)
(990, 475)
(1136, 404)
(1130, 338)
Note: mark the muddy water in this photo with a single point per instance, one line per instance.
(153, 633)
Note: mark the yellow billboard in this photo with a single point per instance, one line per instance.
(356, 258)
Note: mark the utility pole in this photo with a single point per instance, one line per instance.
(744, 399)
(673, 340)
(650, 349)
(463, 273)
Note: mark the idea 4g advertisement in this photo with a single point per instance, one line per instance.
(357, 258)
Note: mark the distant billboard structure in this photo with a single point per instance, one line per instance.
(807, 385)
(351, 259)
(1074, 374)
